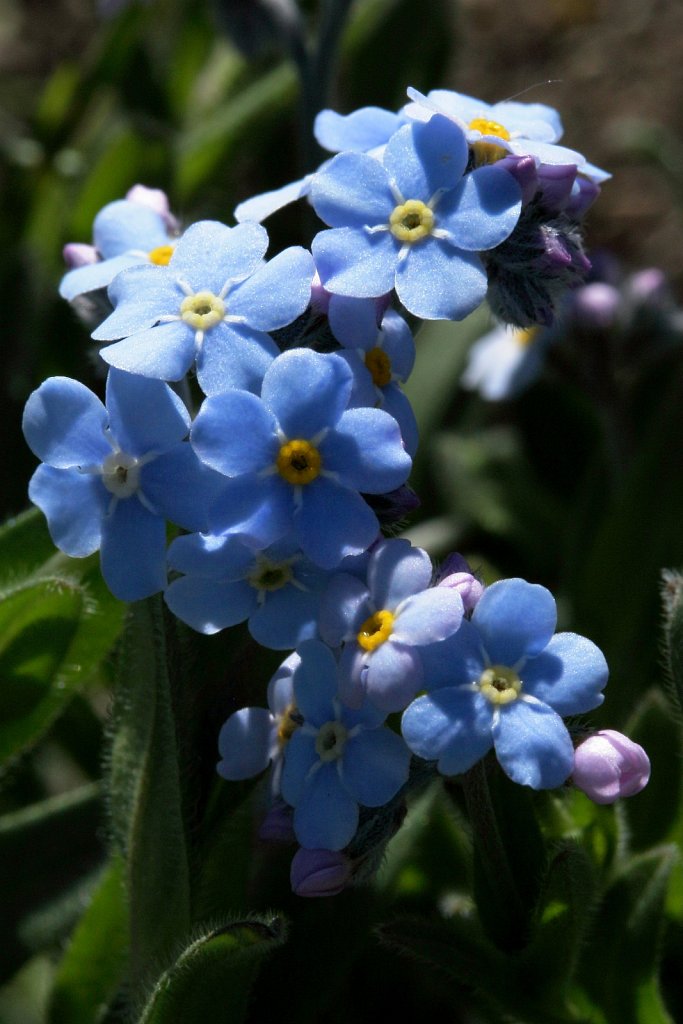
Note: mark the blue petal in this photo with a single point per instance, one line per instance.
(333, 522)
(394, 675)
(181, 487)
(234, 356)
(124, 225)
(226, 557)
(428, 617)
(277, 293)
(352, 190)
(397, 570)
(397, 341)
(74, 505)
(306, 391)
(210, 254)
(451, 726)
(343, 609)
(209, 605)
(515, 620)
(397, 404)
(259, 207)
(438, 282)
(456, 661)
(144, 415)
(164, 352)
(95, 275)
(133, 551)
(359, 131)
(64, 424)
(315, 683)
(422, 159)
(326, 816)
(483, 210)
(366, 451)
(260, 509)
(375, 765)
(141, 296)
(353, 321)
(235, 434)
(533, 745)
(300, 757)
(356, 263)
(568, 675)
(286, 618)
(245, 744)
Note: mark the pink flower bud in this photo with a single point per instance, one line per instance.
(609, 765)
(455, 573)
(319, 872)
(78, 254)
(155, 200)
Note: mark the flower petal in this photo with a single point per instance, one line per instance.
(326, 816)
(394, 675)
(245, 743)
(333, 522)
(438, 282)
(221, 441)
(451, 726)
(133, 551)
(209, 605)
(397, 570)
(306, 391)
(366, 451)
(423, 158)
(568, 675)
(515, 620)
(74, 505)
(165, 352)
(352, 190)
(355, 262)
(276, 293)
(483, 210)
(533, 745)
(144, 415)
(374, 766)
(64, 424)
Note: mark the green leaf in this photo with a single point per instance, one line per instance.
(25, 545)
(145, 793)
(672, 594)
(622, 978)
(214, 974)
(93, 966)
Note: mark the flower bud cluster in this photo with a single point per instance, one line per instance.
(300, 450)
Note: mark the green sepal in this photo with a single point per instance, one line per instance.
(145, 793)
(93, 966)
(213, 976)
(622, 979)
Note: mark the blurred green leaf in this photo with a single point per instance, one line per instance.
(215, 971)
(93, 966)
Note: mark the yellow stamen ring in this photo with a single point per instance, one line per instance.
(269, 575)
(161, 256)
(375, 630)
(379, 365)
(500, 685)
(202, 311)
(411, 221)
(330, 741)
(299, 462)
(481, 124)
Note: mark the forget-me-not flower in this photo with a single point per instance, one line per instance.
(216, 301)
(504, 361)
(338, 759)
(112, 476)
(414, 222)
(505, 681)
(298, 459)
(383, 623)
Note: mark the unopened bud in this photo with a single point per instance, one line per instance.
(609, 765)
(319, 872)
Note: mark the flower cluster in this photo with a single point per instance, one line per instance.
(274, 490)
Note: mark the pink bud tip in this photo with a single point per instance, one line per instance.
(609, 765)
(319, 872)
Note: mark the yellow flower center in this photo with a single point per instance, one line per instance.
(202, 311)
(411, 221)
(299, 462)
(330, 741)
(375, 630)
(161, 255)
(488, 152)
(287, 725)
(269, 575)
(379, 365)
(526, 337)
(480, 124)
(121, 474)
(499, 684)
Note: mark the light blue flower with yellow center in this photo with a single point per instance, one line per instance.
(215, 302)
(506, 360)
(505, 681)
(338, 759)
(415, 221)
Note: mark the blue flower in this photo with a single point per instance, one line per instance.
(126, 233)
(216, 301)
(505, 681)
(252, 738)
(523, 129)
(415, 222)
(112, 476)
(278, 590)
(383, 624)
(337, 759)
(503, 362)
(297, 458)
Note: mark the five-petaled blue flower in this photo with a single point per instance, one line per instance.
(505, 681)
(414, 222)
(338, 758)
(112, 476)
(215, 301)
(297, 458)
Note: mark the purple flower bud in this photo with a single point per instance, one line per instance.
(277, 825)
(555, 183)
(584, 196)
(609, 765)
(649, 286)
(154, 199)
(523, 170)
(596, 305)
(319, 872)
(393, 506)
(455, 572)
(78, 254)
